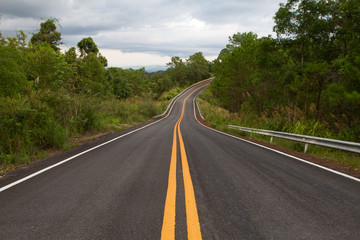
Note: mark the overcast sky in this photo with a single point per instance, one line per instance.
(144, 32)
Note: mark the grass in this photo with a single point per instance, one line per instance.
(48, 123)
(219, 118)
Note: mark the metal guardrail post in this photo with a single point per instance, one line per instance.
(306, 146)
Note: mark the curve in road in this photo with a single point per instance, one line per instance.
(242, 191)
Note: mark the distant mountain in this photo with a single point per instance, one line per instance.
(149, 68)
(155, 68)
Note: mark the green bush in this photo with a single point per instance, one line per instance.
(12, 76)
(148, 108)
(170, 94)
(58, 136)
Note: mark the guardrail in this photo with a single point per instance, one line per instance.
(179, 95)
(197, 106)
(325, 142)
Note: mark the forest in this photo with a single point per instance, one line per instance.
(305, 81)
(49, 97)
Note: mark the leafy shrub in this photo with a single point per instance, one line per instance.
(148, 108)
(12, 76)
(170, 94)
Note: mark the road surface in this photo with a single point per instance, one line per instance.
(177, 179)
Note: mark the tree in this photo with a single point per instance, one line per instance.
(305, 22)
(92, 68)
(160, 82)
(12, 76)
(348, 39)
(103, 60)
(198, 67)
(317, 75)
(19, 42)
(347, 30)
(244, 40)
(137, 81)
(121, 86)
(48, 34)
(177, 70)
(93, 79)
(70, 56)
(48, 67)
(87, 46)
(236, 73)
(345, 104)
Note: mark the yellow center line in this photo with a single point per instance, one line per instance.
(168, 228)
(192, 218)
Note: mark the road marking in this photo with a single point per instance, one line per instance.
(192, 218)
(168, 228)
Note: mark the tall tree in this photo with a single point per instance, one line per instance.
(48, 34)
(177, 70)
(93, 79)
(236, 71)
(12, 76)
(70, 56)
(198, 67)
(305, 22)
(47, 67)
(87, 45)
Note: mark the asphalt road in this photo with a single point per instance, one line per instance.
(177, 178)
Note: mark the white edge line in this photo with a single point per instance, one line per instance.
(88, 150)
(178, 96)
(282, 153)
(72, 157)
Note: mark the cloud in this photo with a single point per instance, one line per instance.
(34, 8)
(154, 27)
(119, 58)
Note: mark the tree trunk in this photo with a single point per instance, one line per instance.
(318, 100)
(302, 52)
(289, 104)
(295, 107)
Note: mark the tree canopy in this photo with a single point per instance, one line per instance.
(48, 34)
(310, 72)
(47, 95)
(87, 46)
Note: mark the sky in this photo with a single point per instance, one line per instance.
(144, 32)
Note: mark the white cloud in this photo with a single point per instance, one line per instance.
(117, 58)
(155, 28)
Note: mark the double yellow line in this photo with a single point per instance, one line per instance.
(192, 218)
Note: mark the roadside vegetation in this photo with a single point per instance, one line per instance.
(48, 98)
(305, 81)
(219, 118)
